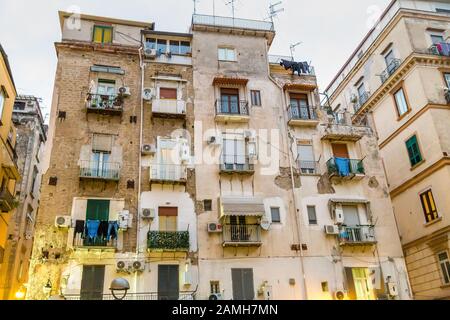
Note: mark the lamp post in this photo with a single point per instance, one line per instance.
(119, 288)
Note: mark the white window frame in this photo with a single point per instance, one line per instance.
(226, 54)
(445, 263)
(2, 102)
(397, 104)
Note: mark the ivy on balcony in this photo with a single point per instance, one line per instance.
(159, 240)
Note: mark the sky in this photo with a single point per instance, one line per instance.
(328, 30)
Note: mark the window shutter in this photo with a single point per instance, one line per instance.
(168, 93)
(102, 143)
(351, 291)
(97, 210)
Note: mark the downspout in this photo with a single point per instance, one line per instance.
(296, 210)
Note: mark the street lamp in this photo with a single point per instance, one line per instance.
(121, 286)
(47, 288)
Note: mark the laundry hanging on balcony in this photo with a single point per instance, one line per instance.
(343, 166)
(444, 48)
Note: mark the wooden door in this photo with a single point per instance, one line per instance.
(340, 150)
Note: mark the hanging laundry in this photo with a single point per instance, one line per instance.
(113, 230)
(102, 233)
(444, 49)
(343, 166)
(92, 229)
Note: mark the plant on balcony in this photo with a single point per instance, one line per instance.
(168, 240)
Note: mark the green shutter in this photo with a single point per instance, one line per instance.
(413, 151)
(97, 210)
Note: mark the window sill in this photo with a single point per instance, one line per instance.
(445, 286)
(433, 222)
(400, 118)
(227, 60)
(417, 165)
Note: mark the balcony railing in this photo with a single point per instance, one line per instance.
(174, 241)
(391, 68)
(228, 22)
(308, 167)
(7, 201)
(100, 171)
(232, 109)
(101, 103)
(440, 49)
(301, 113)
(188, 296)
(169, 107)
(168, 173)
(236, 164)
(357, 235)
(241, 234)
(362, 99)
(342, 167)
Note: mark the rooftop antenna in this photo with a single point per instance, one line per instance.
(195, 6)
(274, 11)
(233, 7)
(292, 48)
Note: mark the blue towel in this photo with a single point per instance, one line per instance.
(92, 228)
(343, 166)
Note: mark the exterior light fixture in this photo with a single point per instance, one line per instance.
(20, 294)
(119, 288)
(47, 288)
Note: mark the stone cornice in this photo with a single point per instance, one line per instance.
(90, 46)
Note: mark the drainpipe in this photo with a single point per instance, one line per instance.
(296, 210)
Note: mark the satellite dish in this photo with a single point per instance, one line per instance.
(265, 224)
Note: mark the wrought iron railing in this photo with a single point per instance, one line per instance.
(104, 238)
(308, 167)
(162, 240)
(357, 234)
(241, 233)
(168, 172)
(345, 167)
(234, 109)
(234, 163)
(362, 99)
(99, 170)
(229, 22)
(104, 102)
(188, 296)
(301, 113)
(440, 49)
(391, 68)
(169, 106)
(7, 200)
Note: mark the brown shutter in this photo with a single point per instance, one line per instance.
(102, 142)
(168, 93)
(168, 211)
(298, 96)
(230, 91)
(340, 150)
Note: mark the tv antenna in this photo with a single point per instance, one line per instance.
(274, 11)
(292, 48)
(195, 6)
(233, 5)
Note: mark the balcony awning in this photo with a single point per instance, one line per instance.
(248, 207)
(230, 81)
(349, 201)
(300, 86)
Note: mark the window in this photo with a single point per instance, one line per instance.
(19, 105)
(229, 101)
(2, 102)
(227, 54)
(361, 91)
(444, 263)
(97, 210)
(215, 287)
(151, 43)
(256, 98)
(447, 79)
(168, 93)
(234, 153)
(103, 34)
(299, 107)
(389, 58)
(275, 212)
(207, 205)
(162, 46)
(180, 47)
(306, 161)
(185, 47)
(429, 206)
(437, 38)
(168, 219)
(400, 101)
(33, 184)
(312, 216)
(414, 151)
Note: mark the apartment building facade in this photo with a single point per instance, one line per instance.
(399, 78)
(30, 147)
(9, 173)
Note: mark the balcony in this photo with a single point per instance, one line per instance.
(152, 296)
(308, 168)
(440, 49)
(346, 169)
(168, 241)
(168, 174)
(362, 99)
(305, 116)
(229, 22)
(230, 112)
(104, 104)
(166, 108)
(390, 70)
(241, 235)
(357, 236)
(237, 164)
(343, 132)
(7, 201)
(107, 171)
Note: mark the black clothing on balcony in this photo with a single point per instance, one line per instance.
(103, 230)
(79, 227)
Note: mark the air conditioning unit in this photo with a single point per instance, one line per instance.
(340, 295)
(216, 296)
(148, 213)
(393, 289)
(124, 220)
(332, 230)
(214, 227)
(122, 266)
(150, 53)
(148, 149)
(138, 266)
(125, 91)
(338, 214)
(148, 94)
(63, 221)
(28, 236)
